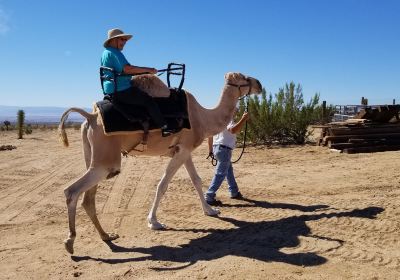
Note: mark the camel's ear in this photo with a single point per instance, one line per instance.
(234, 77)
(229, 76)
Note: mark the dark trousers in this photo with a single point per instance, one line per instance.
(135, 96)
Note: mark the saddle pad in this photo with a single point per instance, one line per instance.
(173, 108)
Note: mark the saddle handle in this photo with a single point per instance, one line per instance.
(104, 77)
(181, 67)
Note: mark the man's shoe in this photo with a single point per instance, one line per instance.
(166, 131)
(214, 202)
(237, 196)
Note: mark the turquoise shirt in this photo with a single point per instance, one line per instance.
(114, 58)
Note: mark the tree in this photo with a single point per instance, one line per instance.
(284, 119)
(20, 123)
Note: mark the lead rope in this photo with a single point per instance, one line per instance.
(214, 161)
(246, 109)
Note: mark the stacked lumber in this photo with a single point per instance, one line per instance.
(374, 130)
(382, 114)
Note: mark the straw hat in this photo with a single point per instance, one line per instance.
(115, 33)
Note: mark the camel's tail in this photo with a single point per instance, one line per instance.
(64, 117)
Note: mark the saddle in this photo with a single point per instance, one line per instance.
(173, 108)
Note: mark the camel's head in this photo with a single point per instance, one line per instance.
(245, 84)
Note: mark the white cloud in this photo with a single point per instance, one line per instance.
(4, 22)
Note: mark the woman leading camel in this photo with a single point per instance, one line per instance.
(127, 92)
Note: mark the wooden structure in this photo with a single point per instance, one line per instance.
(371, 130)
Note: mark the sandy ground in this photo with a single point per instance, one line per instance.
(308, 213)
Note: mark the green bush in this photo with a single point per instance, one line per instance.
(284, 118)
(7, 124)
(28, 129)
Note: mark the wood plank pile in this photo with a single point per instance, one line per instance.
(371, 130)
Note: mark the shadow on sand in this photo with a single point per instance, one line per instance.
(256, 240)
(275, 205)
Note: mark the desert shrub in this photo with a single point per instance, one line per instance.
(28, 129)
(7, 124)
(284, 118)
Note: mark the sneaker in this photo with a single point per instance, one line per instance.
(237, 196)
(166, 131)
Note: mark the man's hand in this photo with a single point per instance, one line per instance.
(153, 71)
(245, 116)
(238, 126)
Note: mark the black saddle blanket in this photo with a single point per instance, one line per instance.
(174, 109)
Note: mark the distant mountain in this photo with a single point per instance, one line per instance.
(38, 114)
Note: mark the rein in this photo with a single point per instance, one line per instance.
(246, 109)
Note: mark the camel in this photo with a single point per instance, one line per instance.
(102, 152)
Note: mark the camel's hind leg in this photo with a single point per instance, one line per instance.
(83, 184)
(178, 159)
(196, 180)
(89, 198)
(89, 204)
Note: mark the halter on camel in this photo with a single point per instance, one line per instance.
(214, 161)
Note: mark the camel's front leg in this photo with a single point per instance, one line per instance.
(208, 210)
(178, 159)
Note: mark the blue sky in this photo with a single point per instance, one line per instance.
(343, 49)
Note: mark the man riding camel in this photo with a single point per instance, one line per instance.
(123, 90)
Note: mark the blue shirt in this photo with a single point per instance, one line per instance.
(114, 58)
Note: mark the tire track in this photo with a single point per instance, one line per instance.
(25, 198)
(137, 201)
(116, 190)
(36, 181)
(125, 188)
(365, 241)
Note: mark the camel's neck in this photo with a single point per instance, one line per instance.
(216, 120)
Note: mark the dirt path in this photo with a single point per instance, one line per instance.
(308, 213)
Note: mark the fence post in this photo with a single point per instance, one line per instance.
(324, 112)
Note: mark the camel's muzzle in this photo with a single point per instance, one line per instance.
(259, 84)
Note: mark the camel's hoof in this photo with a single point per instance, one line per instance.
(213, 212)
(69, 245)
(156, 226)
(110, 236)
